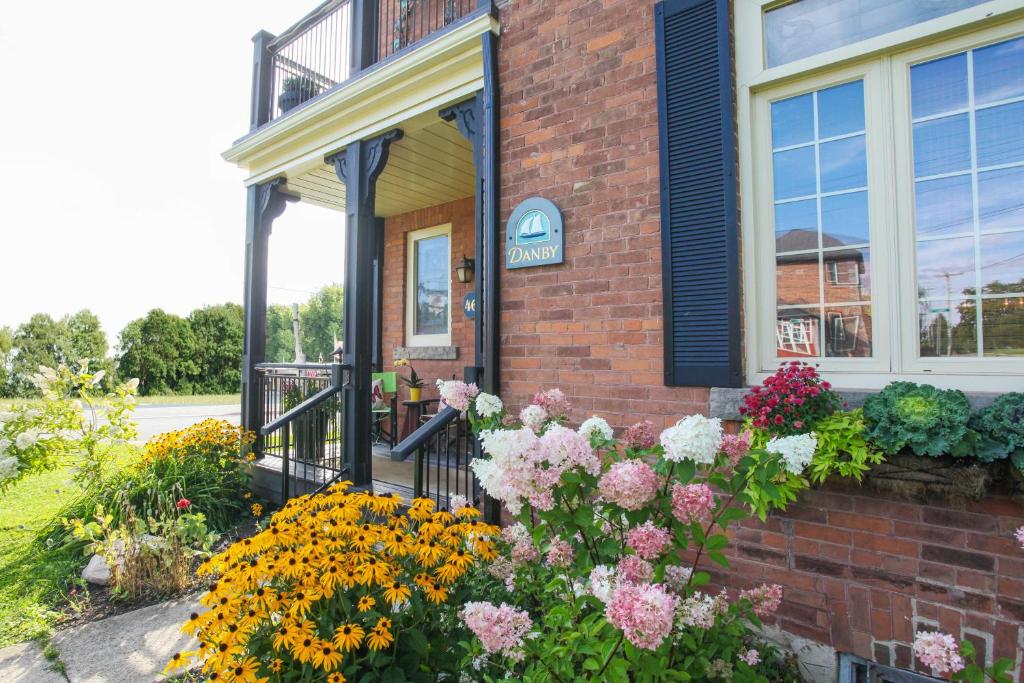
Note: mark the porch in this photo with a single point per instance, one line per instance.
(385, 113)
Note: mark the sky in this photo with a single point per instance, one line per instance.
(114, 195)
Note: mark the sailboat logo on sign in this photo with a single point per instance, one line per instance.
(534, 234)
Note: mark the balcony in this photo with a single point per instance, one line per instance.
(338, 42)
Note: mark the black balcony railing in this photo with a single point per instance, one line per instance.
(302, 424)
(336, 41)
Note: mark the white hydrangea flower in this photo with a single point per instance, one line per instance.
(488, 404)
(457, 502)
(132, 384)
(796, 451)
(693, 438)
(596, 424)
(8, 468)
(26, 439)
(533, 417)
(4, 445)
(602, 582)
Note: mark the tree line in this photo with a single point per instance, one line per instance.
(200, 353)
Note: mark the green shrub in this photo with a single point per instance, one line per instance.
(926, 420)
(1001, 429)
(842, 447)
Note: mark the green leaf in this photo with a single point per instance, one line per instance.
(591, 664)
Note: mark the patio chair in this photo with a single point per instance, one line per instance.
(385, 409)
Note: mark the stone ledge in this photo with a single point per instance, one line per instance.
(426, 352)
(725, 403)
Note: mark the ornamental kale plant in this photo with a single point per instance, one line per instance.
(603, 576)
(926, 420)
(791, 401)
(1001, 429)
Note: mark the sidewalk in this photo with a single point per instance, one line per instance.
(130, 648)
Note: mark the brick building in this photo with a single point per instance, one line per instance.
(738, 183)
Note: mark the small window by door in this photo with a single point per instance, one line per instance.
(429, 287)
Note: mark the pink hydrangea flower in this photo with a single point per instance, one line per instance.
(644, 612)
(677, 578)
(648, 541)
(630, 484)
(735, 446)
(457, 394)
(633, 569)
(559, 555)
(523, 550)
(641, 435)
(692, 502)
(1020, 536)
(766, 598)
(938, 651)
(501, 629)
(751, 657)
(554, 403)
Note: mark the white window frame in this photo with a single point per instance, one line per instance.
(412, 237)
(883, 62)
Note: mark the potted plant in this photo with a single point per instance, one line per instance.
(413, 381)
(295, 90)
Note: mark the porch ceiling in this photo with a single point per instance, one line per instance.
(432, 164)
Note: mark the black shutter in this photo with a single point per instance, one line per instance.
(700, 246)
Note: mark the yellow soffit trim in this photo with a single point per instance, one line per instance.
(443, 70)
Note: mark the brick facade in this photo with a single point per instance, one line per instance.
(579, 126)
(460, 215)
(863, 572)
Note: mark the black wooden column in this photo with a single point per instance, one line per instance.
(358, 166)
(466, 116)
(264, 203)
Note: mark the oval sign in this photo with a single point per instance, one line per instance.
(533, 235)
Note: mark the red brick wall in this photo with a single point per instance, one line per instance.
(461, 215)
(863, 573)
(579, 126)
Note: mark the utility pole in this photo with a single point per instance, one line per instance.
(300, 357)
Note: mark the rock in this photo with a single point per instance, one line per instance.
(97, 571)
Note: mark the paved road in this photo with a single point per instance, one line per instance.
(156, 419)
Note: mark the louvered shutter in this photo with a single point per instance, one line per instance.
(700, 247)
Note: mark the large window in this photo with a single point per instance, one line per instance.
(428, 292)
(885, 209)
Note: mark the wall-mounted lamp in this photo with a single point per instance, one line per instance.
(464, 271)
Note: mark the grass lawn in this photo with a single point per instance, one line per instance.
(33, 582)
(200, 400)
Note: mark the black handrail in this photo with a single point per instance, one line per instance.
(295, 366)
(301, 409)
(425, 432)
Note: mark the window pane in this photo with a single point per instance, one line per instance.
(999, 72)
(984, 268)
(1002, 263)
(793, 172)
(432, 285)
(945, 268)
(844, 219)
(841, 110)
(944, 206)
(1001, 199)
(843, 164)
(947, 328)
(796, 225)
(942, 146)
(848, 331)
(797, 333)
(808, 27)
(939, 86)
(1000, 132)
(847, 276)
(792, 121)
(818, 259)
(797, 279)
(1002, 326)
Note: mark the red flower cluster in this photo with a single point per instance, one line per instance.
(791, 401)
